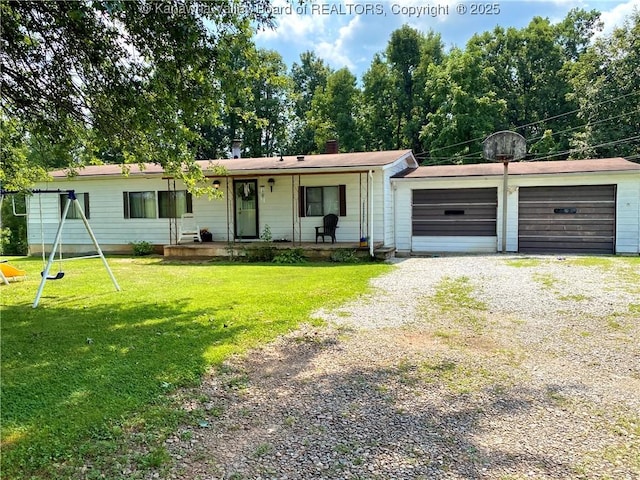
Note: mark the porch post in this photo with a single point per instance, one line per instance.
(371, 214)
(293, 211)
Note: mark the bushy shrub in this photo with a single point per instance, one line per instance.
(141, 248)
(13, 237)
(264, 251)
(290, 256)
(344, 256)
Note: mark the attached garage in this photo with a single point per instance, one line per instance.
(567, 219)
(572, 206)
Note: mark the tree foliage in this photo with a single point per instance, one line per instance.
(168, 82)
(468, 107)
(123, 81)
(334, 112)
(606, 85)
(307, 76)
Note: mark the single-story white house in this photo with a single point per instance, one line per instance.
(590, 206)
(288, 194)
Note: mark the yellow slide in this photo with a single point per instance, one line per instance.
(10, 272)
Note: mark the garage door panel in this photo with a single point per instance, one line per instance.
(598, 222)
(456, 195)
(442, 229)
(578, 219)
(454, 211)
(583, 192)
(566, 211)
(569, 229)
(574, 246)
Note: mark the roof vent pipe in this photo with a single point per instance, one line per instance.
(236, 148)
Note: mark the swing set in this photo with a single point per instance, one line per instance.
(57, 243)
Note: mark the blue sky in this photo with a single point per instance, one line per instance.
(347, 33)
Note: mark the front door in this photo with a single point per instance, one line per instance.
(246, 211)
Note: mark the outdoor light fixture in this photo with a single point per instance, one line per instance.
(271, 182)
(216, 184)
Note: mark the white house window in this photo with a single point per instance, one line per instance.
(173, 204)
(322, 201)
(74, 213)
(139, 204)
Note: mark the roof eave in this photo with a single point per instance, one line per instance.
(517, 174)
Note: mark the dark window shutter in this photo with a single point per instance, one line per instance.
(189, 203)
(86, 205)
(343, 200)
(301, 201)
(125, 198)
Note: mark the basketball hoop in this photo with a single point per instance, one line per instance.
(504, 147)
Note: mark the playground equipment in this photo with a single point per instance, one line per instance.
(57, 243)
(9, 272)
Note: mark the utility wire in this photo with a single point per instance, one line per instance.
(574, 150)
(540, 121)
(475, 154)
(447, 160)
(588, 124)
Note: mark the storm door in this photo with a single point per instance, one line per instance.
(246, 208)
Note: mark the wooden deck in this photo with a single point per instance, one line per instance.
(209, 250)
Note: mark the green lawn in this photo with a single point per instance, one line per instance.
(87, 376)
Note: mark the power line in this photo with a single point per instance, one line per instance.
(574, 150)
(475, 154)
(588, 124)
(447, 160)
(540, 121)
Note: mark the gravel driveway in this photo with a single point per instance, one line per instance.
(496, 367)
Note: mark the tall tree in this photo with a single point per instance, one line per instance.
(467, 107)
(377, 107)
(334, 112)
(606, 86)
(265, 134)
(575, 32)
(530, 73)
(306, 76)
(403, 55)
(129, 81)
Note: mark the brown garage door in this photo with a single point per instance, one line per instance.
(466, 212)
(578, 219)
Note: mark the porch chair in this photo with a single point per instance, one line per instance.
(189, 229)
(328, 228)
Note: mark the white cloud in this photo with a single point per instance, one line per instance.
(291, 25)
(336, 53)
(616, 16)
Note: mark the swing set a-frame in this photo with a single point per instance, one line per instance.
(57, 243)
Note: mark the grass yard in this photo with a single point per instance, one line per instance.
(87, 377)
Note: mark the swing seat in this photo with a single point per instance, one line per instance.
(57, 276)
